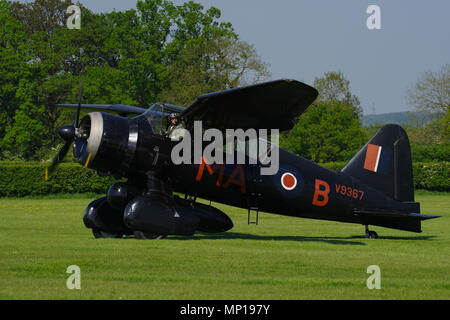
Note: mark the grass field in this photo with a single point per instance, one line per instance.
(281, 258)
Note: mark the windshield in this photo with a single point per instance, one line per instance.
(157, 116)
(250, 145)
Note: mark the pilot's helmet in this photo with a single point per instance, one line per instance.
(173, 116)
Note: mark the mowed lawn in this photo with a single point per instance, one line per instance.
(281, 258)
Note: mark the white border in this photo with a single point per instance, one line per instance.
(295, 181)
(378, 158)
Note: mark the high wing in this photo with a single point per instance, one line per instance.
(116, 108)
(269, 105)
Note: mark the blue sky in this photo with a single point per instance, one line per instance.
(302, 39)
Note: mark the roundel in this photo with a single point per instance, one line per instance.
(288, 181)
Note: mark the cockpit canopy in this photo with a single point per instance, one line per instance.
(157, 115)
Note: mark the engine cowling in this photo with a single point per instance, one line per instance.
(109, 146)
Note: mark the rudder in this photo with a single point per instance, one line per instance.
(384, 164)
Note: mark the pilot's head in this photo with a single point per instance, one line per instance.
(173, 119)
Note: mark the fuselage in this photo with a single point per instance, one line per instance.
(300, 188)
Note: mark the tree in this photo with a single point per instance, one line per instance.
(236, 63)
(432, 91)
(330, 129)
(327, 132)
(27, 134)
(213, 65)
(41, 15)
(334, 86)
(158, 50)
(15, 64)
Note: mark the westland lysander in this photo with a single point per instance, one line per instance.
(374, 188)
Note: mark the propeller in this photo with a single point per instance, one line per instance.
(69, 133)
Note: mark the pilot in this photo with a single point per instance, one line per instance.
(173, 123)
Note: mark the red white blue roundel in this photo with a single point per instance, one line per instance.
(288, 181)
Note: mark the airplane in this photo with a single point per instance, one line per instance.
(130, 143)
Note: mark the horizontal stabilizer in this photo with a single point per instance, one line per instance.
(393, 219)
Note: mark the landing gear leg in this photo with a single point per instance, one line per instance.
(370, 234)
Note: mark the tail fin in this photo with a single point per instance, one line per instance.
(384, 164)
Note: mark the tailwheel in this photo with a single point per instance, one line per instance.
(98, 234)
(148, 236)
(371, 234)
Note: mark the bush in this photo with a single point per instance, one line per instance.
(335, 166)
(434, 176)
(27, 179)
(430, 153)
(18, 179)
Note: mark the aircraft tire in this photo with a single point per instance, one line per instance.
(147, 236)
(98, 234)
(372, 235)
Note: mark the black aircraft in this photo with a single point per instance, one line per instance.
(374, 188)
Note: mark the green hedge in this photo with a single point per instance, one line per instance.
(27, 179)
(434, 176)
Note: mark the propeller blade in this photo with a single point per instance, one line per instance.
(58, 158)
(77, 114)
(69, 134)
(79, 148)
